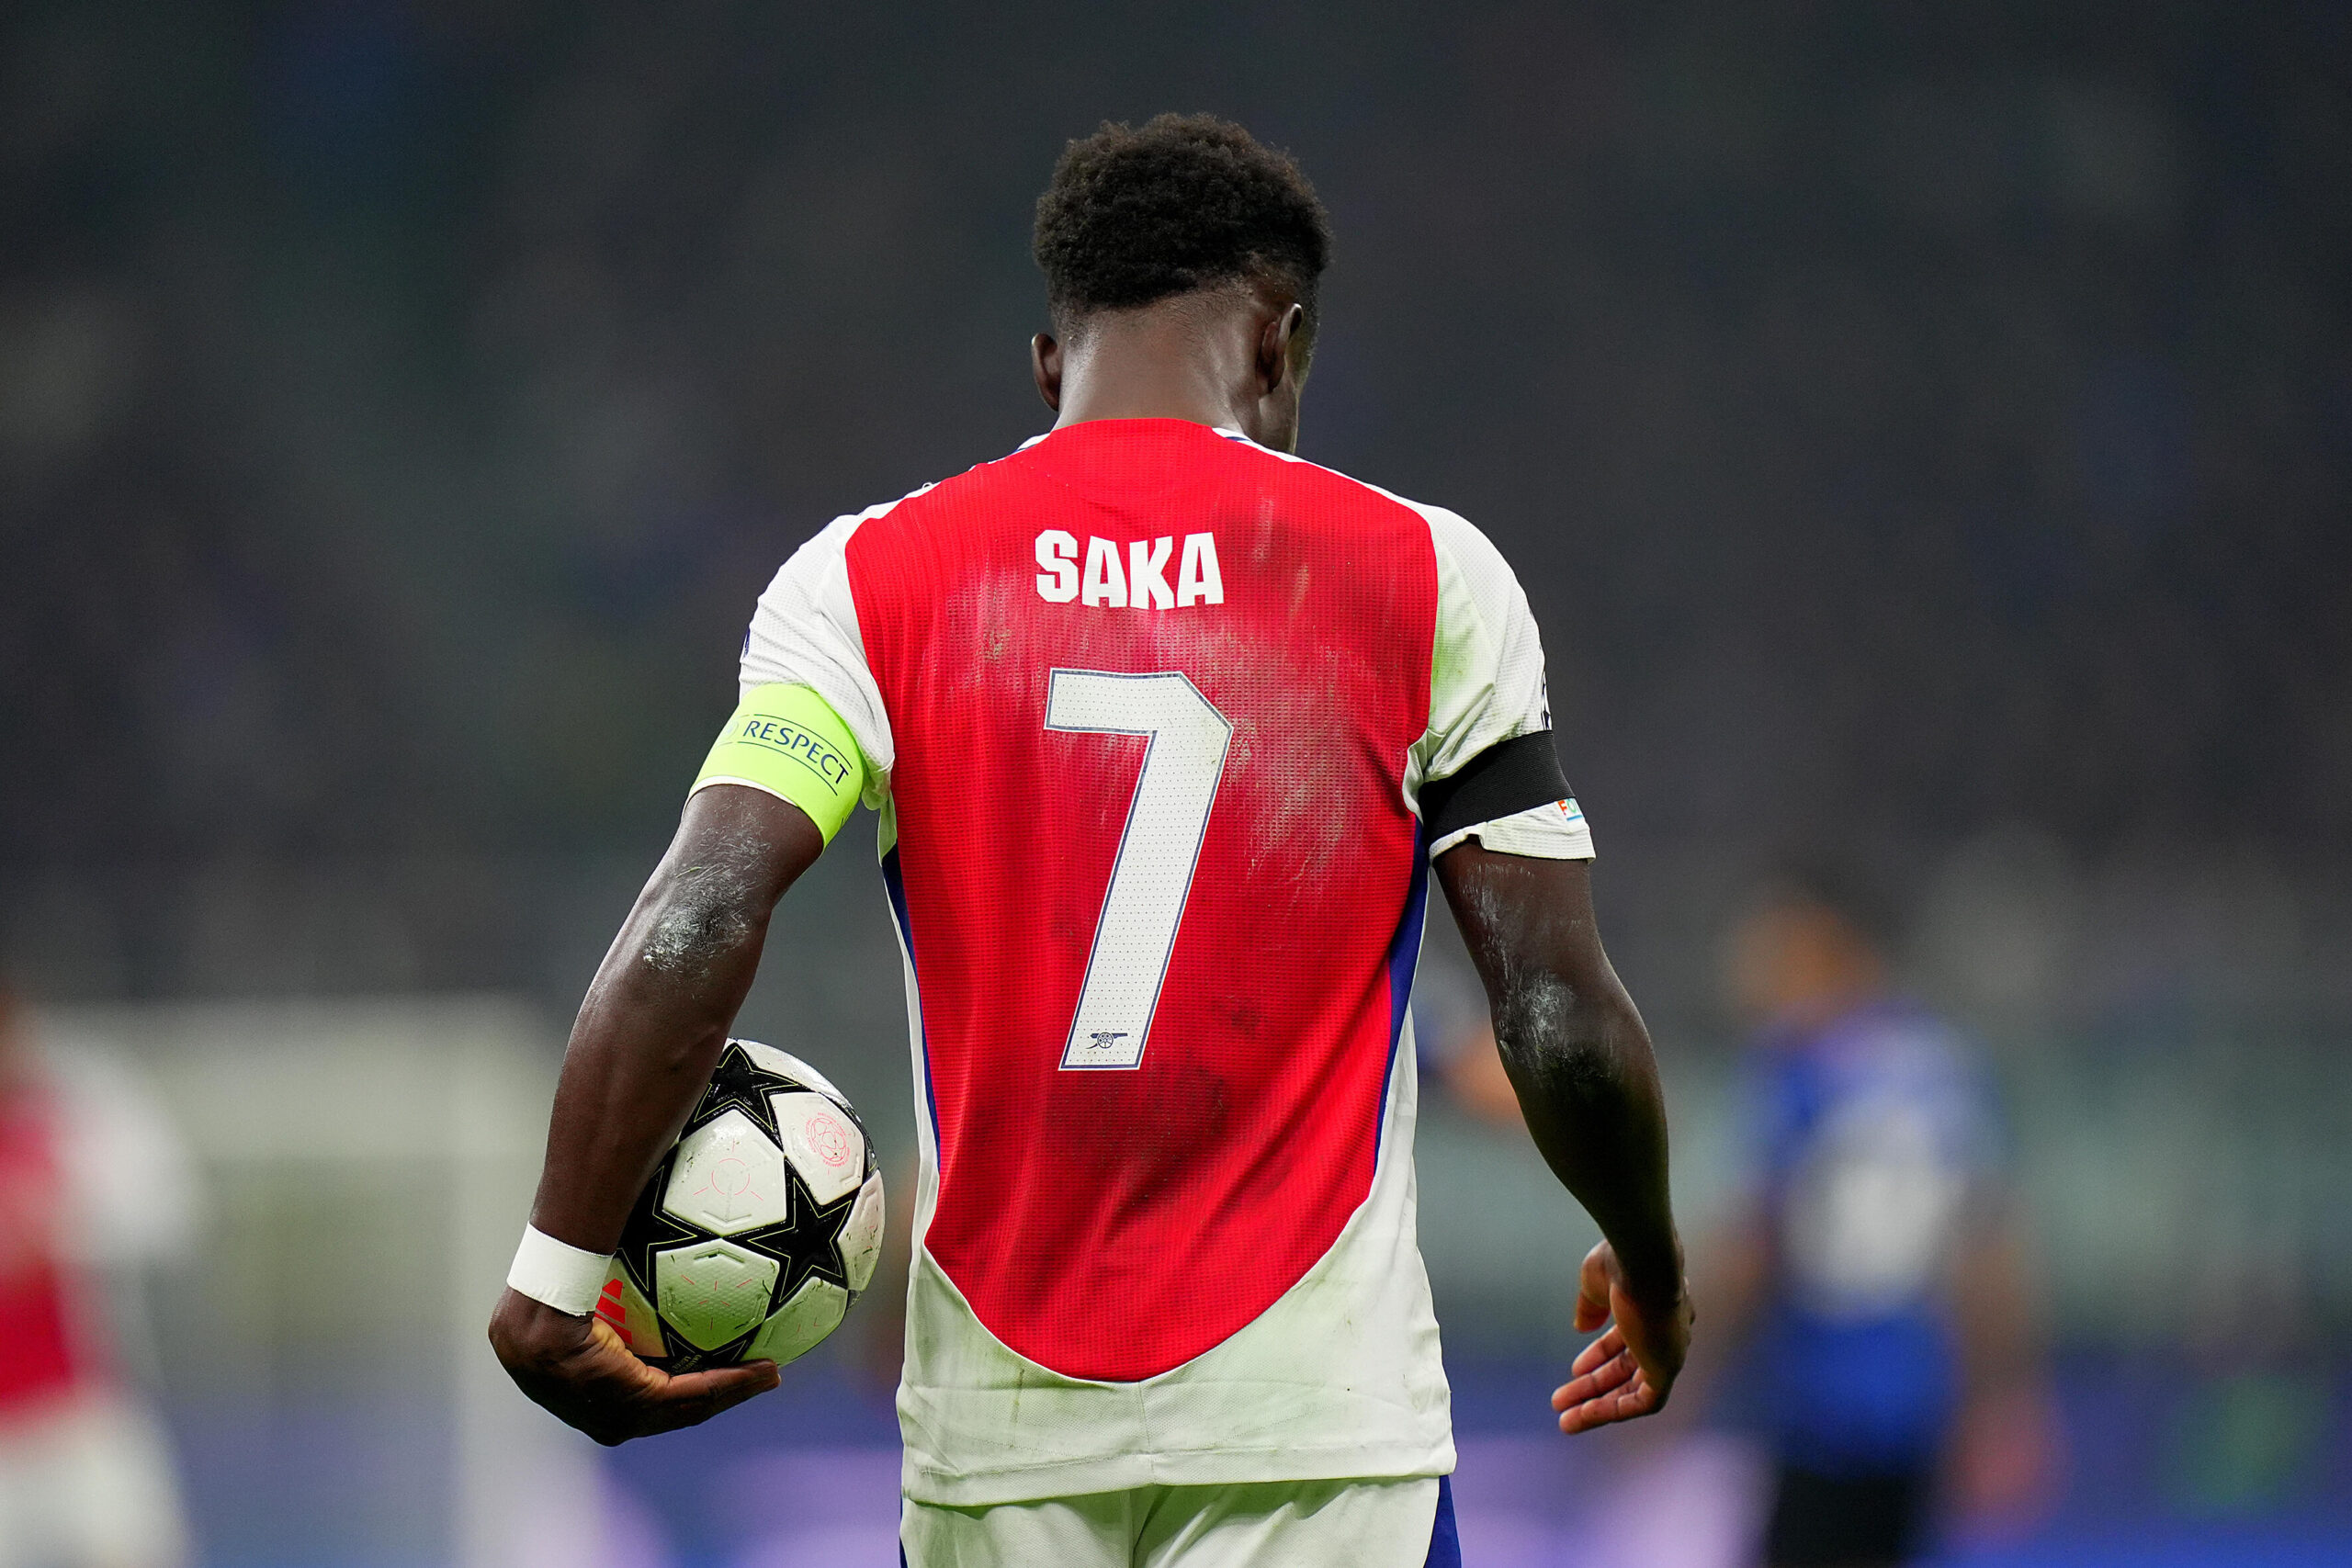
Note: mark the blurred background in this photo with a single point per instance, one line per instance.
(1923, 431)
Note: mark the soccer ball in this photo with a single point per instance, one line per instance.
(760, 1227)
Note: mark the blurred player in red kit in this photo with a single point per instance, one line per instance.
(1168, 729)
(84, 1482)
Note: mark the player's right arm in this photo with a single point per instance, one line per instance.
(642, 1050)
(807, 743)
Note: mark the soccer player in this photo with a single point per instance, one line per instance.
(1168, 729)
(1877, 1276)
(93, 1180)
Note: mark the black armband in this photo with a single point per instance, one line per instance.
(1505, 779)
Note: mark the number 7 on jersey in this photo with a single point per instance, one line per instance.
(1183, 758)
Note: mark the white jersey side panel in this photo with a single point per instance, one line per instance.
(1341, 1377)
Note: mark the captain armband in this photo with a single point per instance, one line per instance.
(788, 741)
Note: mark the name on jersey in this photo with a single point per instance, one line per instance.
(1142, 583)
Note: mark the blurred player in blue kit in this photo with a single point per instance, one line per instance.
(1876, 1274)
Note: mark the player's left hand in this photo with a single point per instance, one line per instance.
(1628, 1372)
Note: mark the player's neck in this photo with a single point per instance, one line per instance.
(1130, 376)
(1145, 397)
(1185, 359)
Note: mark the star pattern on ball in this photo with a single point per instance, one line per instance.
(649, 1230)
(739, 1083)
(803, 1245)
(790, 1245)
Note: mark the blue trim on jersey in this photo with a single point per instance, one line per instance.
(1403, 957)
(1445, 1541)
(895, 884)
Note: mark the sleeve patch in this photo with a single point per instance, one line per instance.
(788, 741)
(1554, 831)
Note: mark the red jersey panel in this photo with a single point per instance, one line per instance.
(39, 1358)
(1151, 690)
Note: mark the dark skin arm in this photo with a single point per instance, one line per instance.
(642, 1051)
(1580, 1057)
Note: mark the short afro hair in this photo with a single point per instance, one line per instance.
(1188, 202)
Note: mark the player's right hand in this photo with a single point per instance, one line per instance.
(579, 1369)
(1628, 1372)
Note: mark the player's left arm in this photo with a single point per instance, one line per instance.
(1580, 1057)
(648, 1036)
(1513, 854)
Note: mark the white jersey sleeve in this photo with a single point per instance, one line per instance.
(1487, 685)
(805, 633)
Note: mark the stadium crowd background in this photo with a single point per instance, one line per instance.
(1926, 431)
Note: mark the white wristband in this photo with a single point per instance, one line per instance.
(562, 1276)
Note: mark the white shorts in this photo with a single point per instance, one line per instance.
(1284, 1524)
(88, 1483)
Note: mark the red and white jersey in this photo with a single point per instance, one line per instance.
(1147, 709)
(44, 1353)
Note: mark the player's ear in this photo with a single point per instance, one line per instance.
(1046, 365)
(1275, 340)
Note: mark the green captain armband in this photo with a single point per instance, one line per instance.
(788, 741)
